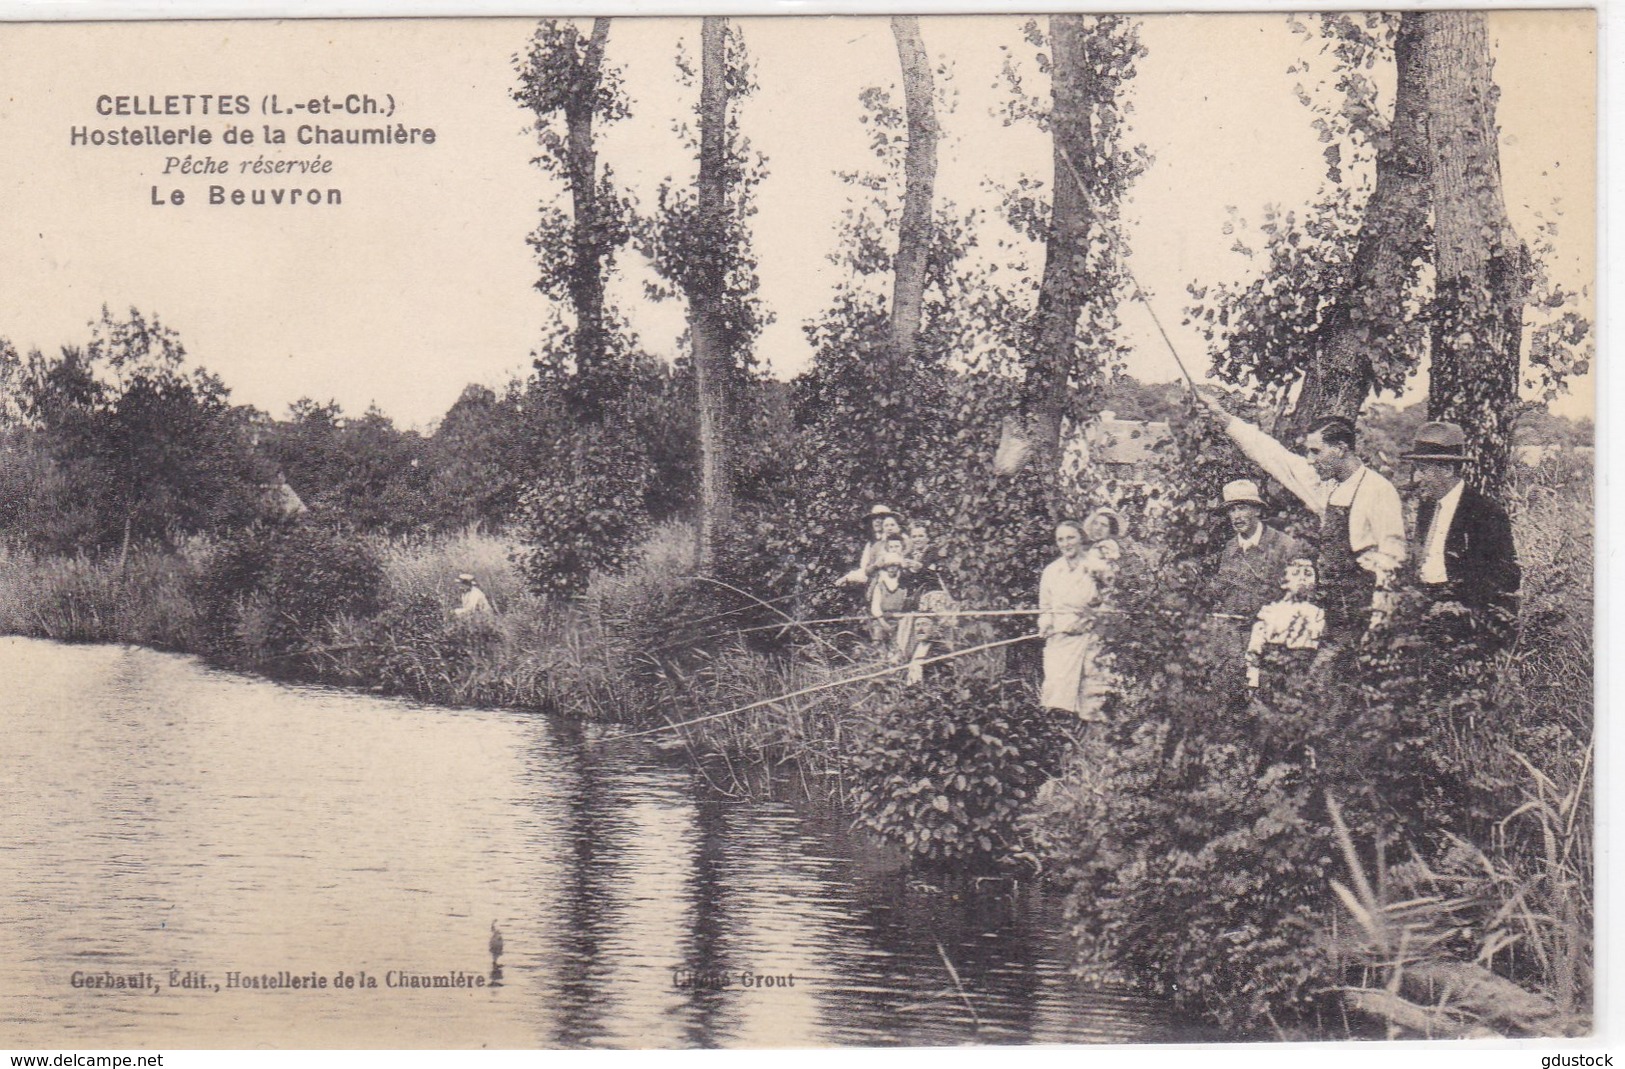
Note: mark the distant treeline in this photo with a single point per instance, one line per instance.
(119, 440)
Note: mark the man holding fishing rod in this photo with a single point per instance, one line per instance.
(1362, 521)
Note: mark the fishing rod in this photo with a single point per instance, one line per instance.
(742, 608)
(1116, 242)
(956, 614)
(768, 605)
(944, 614)
(823, 686)
(859, 620)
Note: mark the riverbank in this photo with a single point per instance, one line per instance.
(1491, 883)
(650, 647)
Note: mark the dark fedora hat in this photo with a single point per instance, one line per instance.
(1439, 441)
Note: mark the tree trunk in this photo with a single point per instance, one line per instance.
(713, 358)
(586, 280)
(1392, 240)
(920, 174)
(1064, 289)
(1481, 266)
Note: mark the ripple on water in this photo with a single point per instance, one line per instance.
(169, 816)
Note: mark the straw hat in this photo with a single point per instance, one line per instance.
(879, 512)
(1241, 492)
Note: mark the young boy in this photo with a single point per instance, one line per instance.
(1288, 632)
(890, 595)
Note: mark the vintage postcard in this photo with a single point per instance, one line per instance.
(689, 532)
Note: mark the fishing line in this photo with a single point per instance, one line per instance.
(822, 686)
(1116, 242)
(956, 614)
(735, 612)
(769, 605)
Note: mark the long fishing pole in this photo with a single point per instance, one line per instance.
(1116, 242)
(822, 686)
(953, 974)
(774, 608)
(866, 618)
(742, 608)
(956, 614)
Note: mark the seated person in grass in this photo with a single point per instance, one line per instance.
(1287, 633)
(474, 603)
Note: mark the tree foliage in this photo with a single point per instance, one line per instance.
(564, 82)
(119, 441)
(601, 438)
(1345, 297)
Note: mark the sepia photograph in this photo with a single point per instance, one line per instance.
(748, 531)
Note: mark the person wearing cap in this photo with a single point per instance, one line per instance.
(1466, 561)
(1362, 520)
(883, 525)
(474, 602)
(1252, 565)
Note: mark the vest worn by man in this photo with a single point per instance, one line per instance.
(1346, 588)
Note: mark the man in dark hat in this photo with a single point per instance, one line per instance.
(1465, 560)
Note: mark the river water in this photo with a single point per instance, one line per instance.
(190, 832)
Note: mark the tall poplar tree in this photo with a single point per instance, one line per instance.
(915, 229)
(1092, 60)
(699, 242)
(1481, 268)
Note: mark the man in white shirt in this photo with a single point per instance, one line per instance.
(1466, 560)
(474, 602)
(1362, 520)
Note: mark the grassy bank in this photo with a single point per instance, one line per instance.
(618, 654)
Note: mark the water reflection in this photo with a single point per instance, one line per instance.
(162, 816)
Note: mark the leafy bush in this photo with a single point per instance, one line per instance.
(950, 766)
(584, 511)
(1194, 872)
(272, 591)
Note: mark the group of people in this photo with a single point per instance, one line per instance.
(905, 598)
(1292, 604)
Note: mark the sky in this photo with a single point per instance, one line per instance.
(421, 282)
